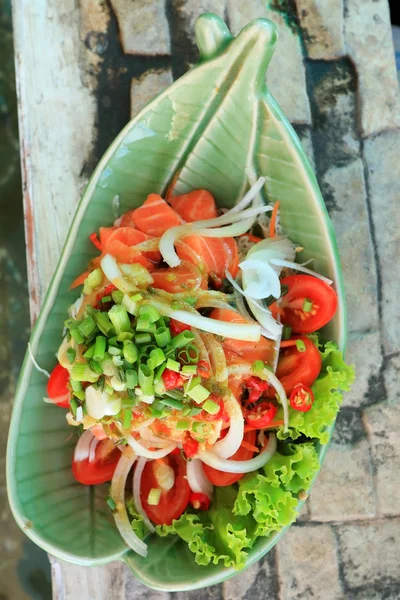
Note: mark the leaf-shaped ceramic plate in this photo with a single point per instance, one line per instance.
(219, 128)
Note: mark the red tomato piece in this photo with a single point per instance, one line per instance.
(173, 502)
(295, 367)
(301, 398)
(190, 447)
(57, 386)
(98, 431)
(199, 501)
(220, 478)
(177, 327)
(102, 468)
(261, 415)
(321, 298)
(172, 379)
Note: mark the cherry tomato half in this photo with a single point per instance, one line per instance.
(199, 501)
(172, 379)
(102, 468)
(306, 291)
(295, 367)
(220, 478)
(261, 415)
(172, 502)
(177, 327)
(57, 386)
(301, 398)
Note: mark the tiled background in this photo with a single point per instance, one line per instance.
(332, 552)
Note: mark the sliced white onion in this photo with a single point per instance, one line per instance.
(75, 307)
(241, 466)
(198, 342)
(198, 482)
(92, 448)
(233, 230)
(277, 247)
(137, 479)
(142, 451)
(248, 197)
(117, 493)
(231, 442)
(114, 274)
(216, 356)
(82, 448)
(143, 424)
(248, 332)
(261, 279)
(168, 239)
(295, 266)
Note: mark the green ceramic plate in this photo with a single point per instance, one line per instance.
(219, 127)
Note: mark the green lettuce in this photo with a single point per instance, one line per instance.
(265, 501)
(335, 377)
(137, 522)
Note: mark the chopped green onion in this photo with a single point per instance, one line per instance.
(186, 411)
(74, 406)
(191, 383)
(146, 380)
(211, 407)
(307, 305)
(173, 365)
(103, 322)
(286, 332)
(89, 352)
(82, 372)
(142, 338)
(191, 300)
(143, 323)
(162, 336)
(99, 347)
(300, 345)
(71, 355)
(149, 312)
(130, 305)
(111, 503)
(257, 366)
(137, 297)
(106, 299)
(159, 372)
(80, 395)
(156, 413)
(119, 318)
(158, 405)
(71, 323)
(154, 496)
(114, 350)
(125, 335)
(108, 389)
(159, 387)
(189, 370)
(189, 355)
(156, 358)
(183, 424)
(182, 339)
(172, 403)
(198, 427)
(117, 296)
(176, 394)
(130, 352)
(93, 280)
(198, 393)
(87, 327)
(127, 419)
(76, 385)
(194, 412)
(118, 361)
(77, 336)
(95, 366)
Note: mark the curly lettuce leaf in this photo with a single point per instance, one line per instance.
(335, 376)
(136, 520)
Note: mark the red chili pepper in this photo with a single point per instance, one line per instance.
(95, 240)
(106, 292)
(301, 398)
(190, 447)
(172, 379)
(177, 327)
(256, 388)
(220, 415)
(261, 415)
(199, 501)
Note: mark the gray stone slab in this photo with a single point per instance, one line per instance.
(259, 581)
(350, 220)
(383, 169)
(368, 38)
(143, 28)
(382, 422)
(321, 23)
(344, 490)
(365, 353)
(308, 564)
(144, 88)
(370, 557)
(287, 61)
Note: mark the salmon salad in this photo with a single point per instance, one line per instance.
(194, 369)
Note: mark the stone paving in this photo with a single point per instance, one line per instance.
(334, 75)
